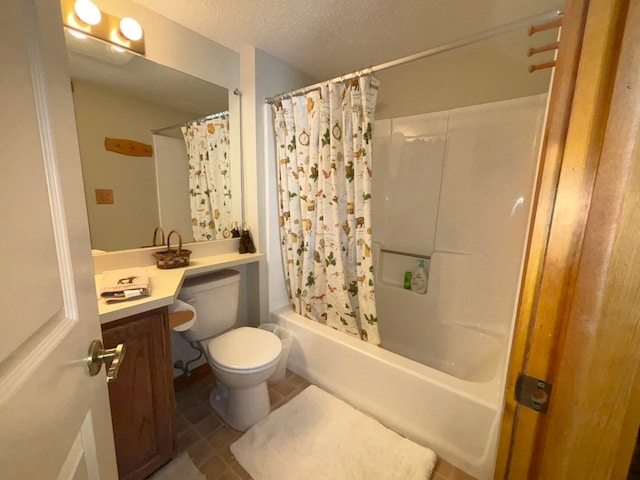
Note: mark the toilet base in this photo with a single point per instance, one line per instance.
(241, 408)
(218, 399)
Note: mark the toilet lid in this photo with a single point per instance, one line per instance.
(245, 348)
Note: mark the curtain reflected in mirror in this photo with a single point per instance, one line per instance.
(209, 177)
(122, 96)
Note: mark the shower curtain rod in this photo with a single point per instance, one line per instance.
(182, 124)
(509, 27)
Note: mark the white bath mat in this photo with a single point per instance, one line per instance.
(315, 436)
(180, 468)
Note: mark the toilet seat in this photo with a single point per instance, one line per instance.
(244, 371)
(244, 350)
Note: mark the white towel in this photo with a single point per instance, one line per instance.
(125, 284)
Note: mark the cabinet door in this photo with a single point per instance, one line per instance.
(142, 397)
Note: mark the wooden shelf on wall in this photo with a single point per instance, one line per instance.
(128, 147)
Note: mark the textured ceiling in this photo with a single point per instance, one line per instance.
(325, 38)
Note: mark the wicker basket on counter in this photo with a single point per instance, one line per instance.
(171, 258)
(155, 237)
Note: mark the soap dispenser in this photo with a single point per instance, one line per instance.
(235, 230)
(419, 279)
(246, 242)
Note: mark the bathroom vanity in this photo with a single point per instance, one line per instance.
(142, 397)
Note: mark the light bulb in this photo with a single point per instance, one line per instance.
(87, 11)
(130, 29)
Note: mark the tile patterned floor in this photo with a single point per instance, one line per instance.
(206, 438)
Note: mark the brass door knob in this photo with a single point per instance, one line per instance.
(99, 355)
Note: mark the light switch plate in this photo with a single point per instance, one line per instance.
(104, 196)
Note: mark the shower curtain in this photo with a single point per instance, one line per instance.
(323, 142)
(209, 178)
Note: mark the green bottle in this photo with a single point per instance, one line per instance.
(407, 280)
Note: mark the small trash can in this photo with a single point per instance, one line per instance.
(286, 338)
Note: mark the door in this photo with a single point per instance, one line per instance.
(54, 418)
(579, 314)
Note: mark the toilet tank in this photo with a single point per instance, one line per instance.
(215, 297)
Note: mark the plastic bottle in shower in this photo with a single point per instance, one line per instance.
(419, 278)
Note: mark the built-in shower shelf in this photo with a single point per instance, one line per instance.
(406, 254)
(391, 266)
(397, 286)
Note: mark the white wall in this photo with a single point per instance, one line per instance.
(264, 75)
(483, 72)
(104, 112)
(172, 174)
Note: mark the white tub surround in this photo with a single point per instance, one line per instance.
(455, 187)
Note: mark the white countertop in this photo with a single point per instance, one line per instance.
(166, 283)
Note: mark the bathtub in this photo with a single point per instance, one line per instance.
(458, 419)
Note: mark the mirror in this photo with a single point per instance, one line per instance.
(124, 96)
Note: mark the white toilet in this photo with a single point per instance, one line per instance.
(242, 359)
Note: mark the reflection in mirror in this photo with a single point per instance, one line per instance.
(123, 96)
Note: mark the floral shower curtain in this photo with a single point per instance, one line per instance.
(323, 142)
(209, 178)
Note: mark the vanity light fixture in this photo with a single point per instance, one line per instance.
(83, 17)
(87, 12)
(130, 29)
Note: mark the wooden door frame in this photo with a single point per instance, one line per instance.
(558, 268)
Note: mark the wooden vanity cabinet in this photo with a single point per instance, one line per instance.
(142, 397)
